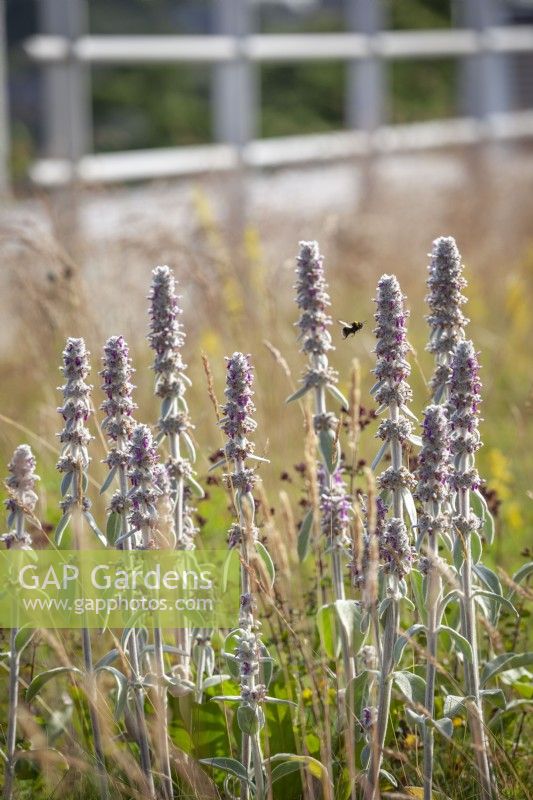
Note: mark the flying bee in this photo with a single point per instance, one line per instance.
(350, 328)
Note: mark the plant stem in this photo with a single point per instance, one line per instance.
(434, 589)
(88, 662)
(475, 709)
(14, 670)
(390, 634)
(251, 744)
(336, 563)
(133, 652)
(164, 753)
(183, 639)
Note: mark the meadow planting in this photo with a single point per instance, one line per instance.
(377, 642)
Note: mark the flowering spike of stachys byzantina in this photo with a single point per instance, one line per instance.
(392, 368)
(167, 335)
(446, 319)
(22, 496)
(434, 458)
(75, 436)
(237, 423)
(336, 511)
(312, 299)
(463, 405)
(76, 407)
(118, 405)
(145, 491)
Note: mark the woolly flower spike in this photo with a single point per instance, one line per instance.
(392, 368)
(22, 497)
(21, 481)
(144, 478)
(118, 406)
(336, 510)
(463, 405)
(313, 300)
(166, 335)
(445, 283)
(237, 421)
(395, 549)
(76, 407)
(434, 459)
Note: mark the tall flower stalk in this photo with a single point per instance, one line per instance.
(392, 393)
(313, 300)
(147, 489)
(118, 425)
(73, 464)
(433, 491)
(463, 405)
(20, 505)
(166, 338)
(446, 319)
(237, 423)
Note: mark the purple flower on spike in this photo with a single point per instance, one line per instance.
(446, 319)
(463, 405)
(392, 368)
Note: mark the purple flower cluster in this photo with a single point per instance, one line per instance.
(22, 496)
(313, 299)
(336, 510)
(395, 550)
(238, 408)
(118, 406)
(237, 422)
(392, 368)
(463, 405)
(395, 480)
(144, 477)
(369, 716)
(434, 459)
(445, 298)
(167, 335)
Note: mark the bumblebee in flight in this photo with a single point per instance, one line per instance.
(350, 328)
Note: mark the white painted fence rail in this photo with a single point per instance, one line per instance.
(264, 48)
(235, 52)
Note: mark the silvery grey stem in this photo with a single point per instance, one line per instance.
(133, 652)
(433, 492)
(251, 744)
(434, 590)
(475, 709)
(164, 752)
(336, 561)
(390, 633)
(14, 671)
(465, 397)
(183, 637)
(89, 670)
(237, 423)
(149, 486)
